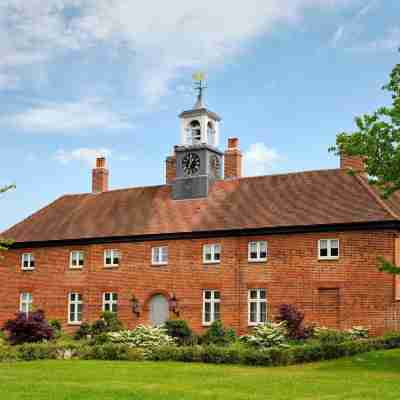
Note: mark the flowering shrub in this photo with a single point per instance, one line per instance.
(145, 337)
(358, 332)
(28, 328)
(270, 334)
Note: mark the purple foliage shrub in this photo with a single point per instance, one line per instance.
(294, 321)
(28, 328)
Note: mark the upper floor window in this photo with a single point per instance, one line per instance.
(195, 132)
(257, 306)
(77, 259)
(328, 249)
(258, 251)
(25, 303)
(28, 261)
(75, 308)
(110, 302)
(112, 258)
(211, 253)
(211, 306)
(159, 255)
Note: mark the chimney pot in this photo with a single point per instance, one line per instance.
(233, 143)
(100, 162)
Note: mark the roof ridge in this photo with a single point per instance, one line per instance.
(376, 197)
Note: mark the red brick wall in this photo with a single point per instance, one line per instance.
(293, 274)
(170, 169)
(354, 163)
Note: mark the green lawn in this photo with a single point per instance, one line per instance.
(368, 376)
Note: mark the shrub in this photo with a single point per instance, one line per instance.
(218, 335)
(28, 328)
(180, 331)
(330, 336)
(83, 332)
(57, 328)
(145, 337)
(358, 332)
(294, 319)
(266, 335)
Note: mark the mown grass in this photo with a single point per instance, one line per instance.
(367, 376)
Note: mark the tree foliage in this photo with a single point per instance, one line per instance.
(377, 140)
(4, 244)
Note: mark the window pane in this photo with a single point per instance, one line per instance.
(263, 249)
(253, 312)
(207, 312)
(253, 294)
(207, 294)
(217, 295)
(263, 312)
(323, 252)
(216, 311)
(263, 294)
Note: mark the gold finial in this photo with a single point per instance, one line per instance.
(199, 85)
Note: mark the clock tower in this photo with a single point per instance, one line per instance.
(198, 160)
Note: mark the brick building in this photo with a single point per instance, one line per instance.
(210, 244)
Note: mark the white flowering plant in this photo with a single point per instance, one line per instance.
(270, 334)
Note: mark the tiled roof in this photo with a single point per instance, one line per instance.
(297, 199)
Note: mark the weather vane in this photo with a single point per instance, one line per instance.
(200, 86)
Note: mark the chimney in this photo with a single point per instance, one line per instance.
(100, 176)
(233, 160)
(354, 163)
(170, 169)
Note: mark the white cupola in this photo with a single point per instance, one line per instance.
(199, 125)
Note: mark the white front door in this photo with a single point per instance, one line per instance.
(159, 310)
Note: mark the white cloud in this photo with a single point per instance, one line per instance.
(352, 27)
(69, 118)
(84, 154)
(161, 38)
(260, 159)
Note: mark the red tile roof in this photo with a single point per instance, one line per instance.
(298, 199)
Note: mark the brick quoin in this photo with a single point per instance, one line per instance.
(292, 274)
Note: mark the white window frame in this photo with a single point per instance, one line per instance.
(31, 258)
(25, 304)
(114, 253)
(329, 249)
(112, 302)
(258, 301)
(75, 255)
(77, 301)
(212, 301)
(157, 254)
(258, 244)
(212, 247)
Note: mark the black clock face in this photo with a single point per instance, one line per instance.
(215, 165)
(191, 163)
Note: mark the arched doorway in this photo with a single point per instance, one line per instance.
(159, 310)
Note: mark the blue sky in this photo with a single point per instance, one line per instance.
(81, 77)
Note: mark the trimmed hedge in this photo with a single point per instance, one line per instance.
(207, 354)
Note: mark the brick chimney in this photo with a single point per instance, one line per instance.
(100, 176)
(352, 162)
(233, 160)
(170, 169)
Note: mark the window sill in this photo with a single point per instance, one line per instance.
(261, 260)
(211, 262)
(27, 269)
(159, 264)
(74, 323)
(111, 266)
(328, 258)
(76, 268)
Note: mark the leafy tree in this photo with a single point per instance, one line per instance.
(377, 141)
(4, 244)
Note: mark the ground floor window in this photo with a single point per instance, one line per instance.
(25, 305)
(75, 308)
(211, 306)
(257, 299)
(110, 302)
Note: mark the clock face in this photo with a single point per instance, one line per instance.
(191, 163)
(215, 165)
